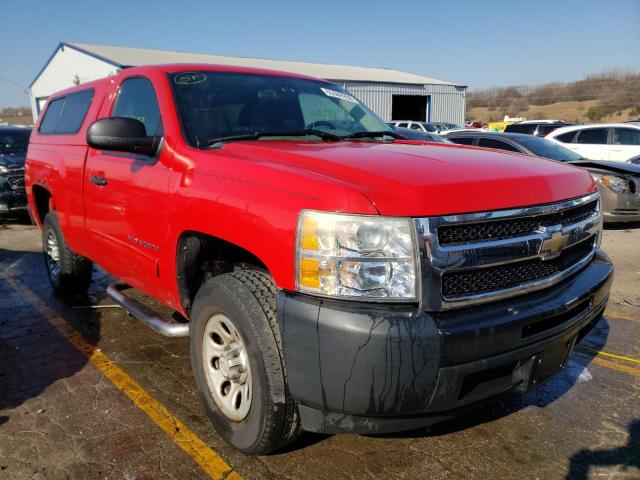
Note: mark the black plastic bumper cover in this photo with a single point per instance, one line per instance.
(366, 367)
(11, 200)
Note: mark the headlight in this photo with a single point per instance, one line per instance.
(615, 184)
(4, 169)
(356, 256)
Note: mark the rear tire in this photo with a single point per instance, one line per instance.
(245, 303)
(68, 272)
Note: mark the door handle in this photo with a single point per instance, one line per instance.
(98, 180)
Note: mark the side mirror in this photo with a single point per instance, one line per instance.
(122, 134)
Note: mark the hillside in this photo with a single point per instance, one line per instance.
(16, 116)
(611, 96)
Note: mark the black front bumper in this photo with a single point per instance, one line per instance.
(373, 368)
(11, 200)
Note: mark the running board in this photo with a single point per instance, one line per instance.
(145, 314)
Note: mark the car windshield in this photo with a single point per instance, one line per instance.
(14, 141)
(420, 136)
(547, 149)
(219, 106)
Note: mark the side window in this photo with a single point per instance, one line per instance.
(544, 130)
(626, 136)
(137, 99)
(461, 140)
(51, 116)
(416, 126)
(65, 115)
(593, 136)
(566, 137)
(497, 144)
(75, 109)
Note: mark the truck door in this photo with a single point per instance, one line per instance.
(126, 194)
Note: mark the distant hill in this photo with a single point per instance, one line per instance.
(16, 116)
(610, 96)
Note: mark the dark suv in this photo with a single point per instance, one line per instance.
(13, 148)
(540, 129)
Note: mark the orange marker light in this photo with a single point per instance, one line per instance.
(309, 272)
(309, 238)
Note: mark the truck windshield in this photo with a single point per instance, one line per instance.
(218, 106)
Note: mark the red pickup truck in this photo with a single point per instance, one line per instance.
(331, 276)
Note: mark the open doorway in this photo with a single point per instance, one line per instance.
(410, 107)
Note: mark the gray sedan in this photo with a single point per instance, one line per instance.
(618, 182)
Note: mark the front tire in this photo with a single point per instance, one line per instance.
(236, 356)
(68, 272)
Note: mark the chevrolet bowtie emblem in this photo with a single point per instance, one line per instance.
(553, 242)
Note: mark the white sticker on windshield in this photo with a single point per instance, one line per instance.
(340, 95)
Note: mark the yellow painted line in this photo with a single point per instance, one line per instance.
(181, 435)
(607, 354)
(616, 366)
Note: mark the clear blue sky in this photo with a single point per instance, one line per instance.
(479, 43)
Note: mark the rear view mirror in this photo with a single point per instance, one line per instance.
(122, 134)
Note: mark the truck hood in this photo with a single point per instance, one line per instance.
(408, 179)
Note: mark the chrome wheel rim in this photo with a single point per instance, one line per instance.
(52, 251)
(226, 367)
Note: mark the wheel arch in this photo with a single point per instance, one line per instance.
(42, 203)
(200, 256)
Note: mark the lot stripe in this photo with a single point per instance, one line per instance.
(181, 435)
(616, 366)
(607, 354)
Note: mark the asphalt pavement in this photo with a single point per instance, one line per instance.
(88, 392)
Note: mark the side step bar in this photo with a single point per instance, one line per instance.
(144, 314)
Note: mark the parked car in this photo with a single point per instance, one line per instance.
(539, 128)
(443, 127)
(614, 141)
(449, 126)
(13, 148)
(419, 135)
(618, 183)
(330, 277)
(420, 126)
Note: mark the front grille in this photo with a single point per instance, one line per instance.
(483, 280)
(16, 181)
(513, 227)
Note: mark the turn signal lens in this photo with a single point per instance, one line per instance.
(309, 272)
(309, 234)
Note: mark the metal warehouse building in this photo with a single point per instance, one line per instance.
(391, 94)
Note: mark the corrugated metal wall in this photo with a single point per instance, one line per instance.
(447, 103)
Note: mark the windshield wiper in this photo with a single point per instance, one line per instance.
(380, 133)
(292, 133)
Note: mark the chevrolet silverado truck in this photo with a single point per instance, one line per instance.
(331, 276)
